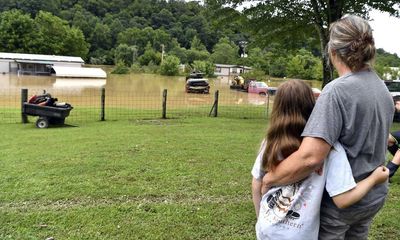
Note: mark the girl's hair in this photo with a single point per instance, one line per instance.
(293, 104)
(351, 38)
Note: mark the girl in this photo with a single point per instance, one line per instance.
(292, 211)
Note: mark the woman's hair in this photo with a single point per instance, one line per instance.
(293, 104)
(351, 38)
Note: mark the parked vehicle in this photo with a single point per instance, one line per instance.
(195, 75)
(272, 91)
(393, 86)
(258, 87)
(394, 89)
(247, 83)
(237, 83)
(194, 85)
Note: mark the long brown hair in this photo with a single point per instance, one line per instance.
(292, 107)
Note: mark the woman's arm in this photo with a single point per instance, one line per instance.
(299, 164)
(346, 199)
(256, 192)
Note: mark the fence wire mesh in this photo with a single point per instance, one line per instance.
(126, 105)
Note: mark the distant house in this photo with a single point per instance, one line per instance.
(230, 70)
(37, 64)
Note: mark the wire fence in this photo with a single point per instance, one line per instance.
(100, 104)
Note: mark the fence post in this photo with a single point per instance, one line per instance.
(24, 98)
(103, 104)
(164, 104)
(268, 95)
(216, 97)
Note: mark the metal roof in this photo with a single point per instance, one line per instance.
(79, 72)
(231, 66)
(39, 57)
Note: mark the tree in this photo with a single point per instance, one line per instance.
(205, 67)
(224, 52)
(287, 21)
(303, 65)
(58, 38)
(100, 37)
(126, 54)
(74, 43)
(150, 56)
(170, 66)
(196, 44)
(18, 32)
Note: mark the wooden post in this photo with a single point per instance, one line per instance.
(164, 104)
(24, 98)
(268, 95)
(103, 104)
(216, 96)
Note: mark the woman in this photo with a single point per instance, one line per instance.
(292, 211)
(356, 110)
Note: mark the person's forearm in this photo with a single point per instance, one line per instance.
(293, 169)
(308, 158)
(354, 195)
(256, 194)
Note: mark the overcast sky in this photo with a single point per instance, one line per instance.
(386, 31)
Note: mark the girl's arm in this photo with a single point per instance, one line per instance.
(256, 192)
(346, 199)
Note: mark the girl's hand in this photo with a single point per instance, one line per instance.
(380, 175)
(396, 158)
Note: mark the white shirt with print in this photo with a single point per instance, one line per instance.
(292, 211)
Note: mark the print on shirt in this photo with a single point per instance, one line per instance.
(284, 205)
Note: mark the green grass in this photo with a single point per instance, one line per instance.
(138, 179)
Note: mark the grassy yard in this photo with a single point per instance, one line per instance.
(140, 179)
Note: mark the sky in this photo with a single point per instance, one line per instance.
(386, 31)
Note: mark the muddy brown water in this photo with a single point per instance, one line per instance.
(145, 88)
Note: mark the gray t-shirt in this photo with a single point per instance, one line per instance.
(292, 211)
(356, 110)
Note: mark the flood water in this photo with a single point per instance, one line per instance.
(150, 86)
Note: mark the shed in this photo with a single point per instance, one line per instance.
(35, 64)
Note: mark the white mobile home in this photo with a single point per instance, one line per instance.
(35, 64)
(230, 70)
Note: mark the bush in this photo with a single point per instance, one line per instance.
(205, 67)
(254, 74)
(170, 66)
(136, 68)
(120, 68)
(151, 68)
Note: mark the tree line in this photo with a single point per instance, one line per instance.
(157, 35)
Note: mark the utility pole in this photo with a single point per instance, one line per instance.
(162, 53)
(242, 47)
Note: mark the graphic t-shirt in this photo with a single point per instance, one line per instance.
(292, 211)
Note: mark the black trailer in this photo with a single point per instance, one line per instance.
(47, 115)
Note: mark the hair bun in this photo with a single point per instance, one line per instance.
(364, 39)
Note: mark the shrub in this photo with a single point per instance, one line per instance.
(120, 68)
(170, 66)
(205, 67)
